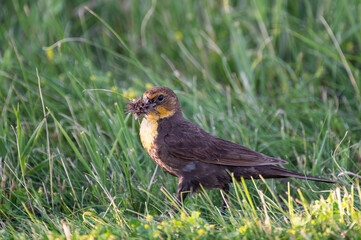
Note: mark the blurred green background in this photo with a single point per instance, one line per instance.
(280, 77)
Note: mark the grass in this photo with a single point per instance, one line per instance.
(280, 77)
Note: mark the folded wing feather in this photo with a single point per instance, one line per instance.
(190, 142)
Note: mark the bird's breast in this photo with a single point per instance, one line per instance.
(148, 132)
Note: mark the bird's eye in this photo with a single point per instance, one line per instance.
(160, 98)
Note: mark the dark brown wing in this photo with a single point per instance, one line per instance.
(188, 141)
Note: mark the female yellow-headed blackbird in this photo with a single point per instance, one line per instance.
(196, 157)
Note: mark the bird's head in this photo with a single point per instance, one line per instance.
(157, 103)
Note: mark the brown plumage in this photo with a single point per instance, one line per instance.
(196, 157)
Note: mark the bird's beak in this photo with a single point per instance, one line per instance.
(146, 102)
(140, 106)
(148, 105)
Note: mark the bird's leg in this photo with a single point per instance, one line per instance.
(225, 189)
(183, 191)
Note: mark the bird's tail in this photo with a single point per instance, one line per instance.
(277, 172)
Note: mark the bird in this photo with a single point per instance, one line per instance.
(197, 158)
